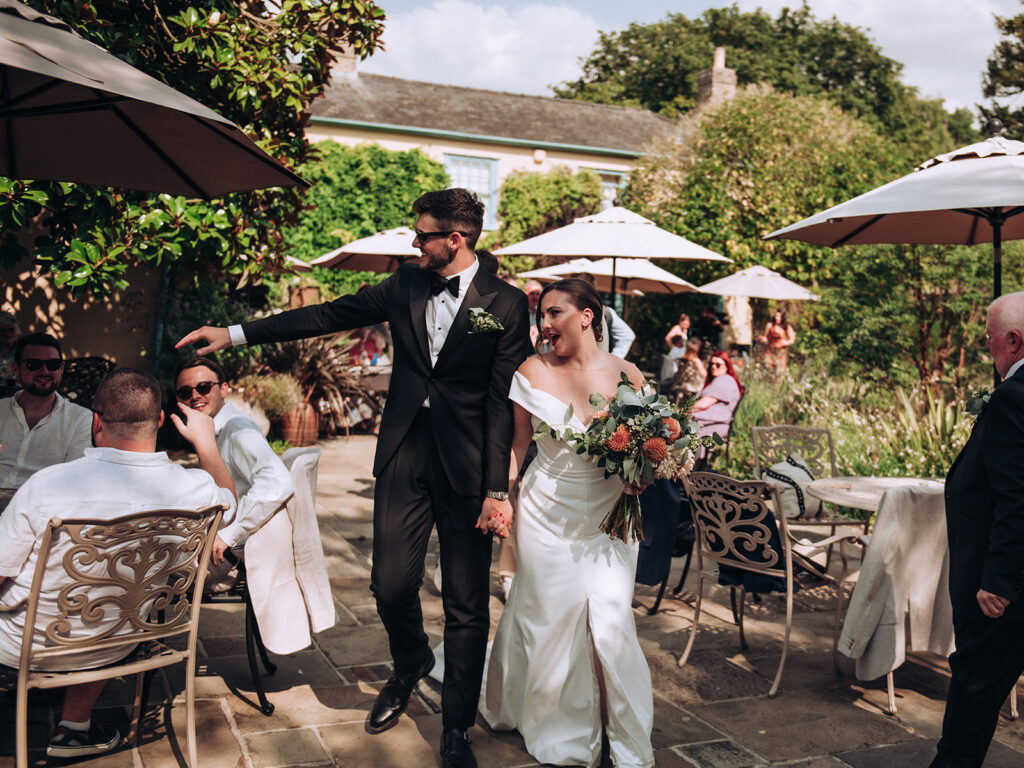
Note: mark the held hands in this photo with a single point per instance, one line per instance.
(216, 339)
(495, 517)
(197, 427)
(992, 605)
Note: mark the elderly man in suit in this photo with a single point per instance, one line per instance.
(985, 525)
(443, 453)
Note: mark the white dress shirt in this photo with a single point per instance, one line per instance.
(61, 435)
(261, 479)
(104, 484)
(441, 311)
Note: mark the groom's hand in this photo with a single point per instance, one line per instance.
(495, 517)
(216, 339)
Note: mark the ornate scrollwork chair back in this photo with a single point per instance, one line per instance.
(131, 582)
(814, 444)
(736, 524)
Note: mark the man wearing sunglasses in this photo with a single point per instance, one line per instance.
(38, 427)
(443, 452)
(260, 477)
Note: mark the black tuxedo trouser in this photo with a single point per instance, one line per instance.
(988, 660)
(412, 495)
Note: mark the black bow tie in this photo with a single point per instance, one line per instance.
(438, 284)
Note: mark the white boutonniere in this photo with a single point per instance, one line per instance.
(977, 401)
(483, 322)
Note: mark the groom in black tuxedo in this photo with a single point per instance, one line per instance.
(443, 451)
(985, 525)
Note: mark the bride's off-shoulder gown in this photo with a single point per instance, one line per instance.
(571, 598)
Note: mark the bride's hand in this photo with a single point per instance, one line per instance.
(495, 517)
(635, 489)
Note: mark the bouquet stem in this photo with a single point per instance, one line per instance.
(625, 520)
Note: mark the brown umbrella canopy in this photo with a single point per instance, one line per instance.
(71, 111)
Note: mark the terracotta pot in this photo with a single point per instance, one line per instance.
(301, 426)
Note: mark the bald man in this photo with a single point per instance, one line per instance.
(985, 525)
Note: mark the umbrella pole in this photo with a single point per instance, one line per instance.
(997, 258)
(997, 273)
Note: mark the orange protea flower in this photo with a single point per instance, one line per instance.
(619, 441)
(674, 429)
(655, 450)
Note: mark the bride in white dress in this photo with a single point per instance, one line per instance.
(566, 661)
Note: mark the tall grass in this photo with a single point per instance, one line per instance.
(900, 432)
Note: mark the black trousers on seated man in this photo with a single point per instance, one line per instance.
(413, 494)
(988, 661)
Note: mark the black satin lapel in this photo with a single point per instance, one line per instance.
(460, 326)
(418, 294)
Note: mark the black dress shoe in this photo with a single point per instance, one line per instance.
(394, 697)
(456, 749)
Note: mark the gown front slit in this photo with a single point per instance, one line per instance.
(571, 599)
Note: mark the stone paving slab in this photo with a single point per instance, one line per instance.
(714, 712)
(794, 725)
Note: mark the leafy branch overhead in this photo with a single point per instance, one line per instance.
(258, 64)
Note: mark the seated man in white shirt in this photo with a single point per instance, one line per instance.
(122, 475)
(38, 427)
(261, 479)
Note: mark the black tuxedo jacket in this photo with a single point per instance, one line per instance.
(985, 506)
(468, 386)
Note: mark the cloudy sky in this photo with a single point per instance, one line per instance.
(525, 47)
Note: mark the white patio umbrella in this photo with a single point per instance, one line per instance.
(759, 283)
(632, 276)
(615, 233)
(971, 195)
(382, 252)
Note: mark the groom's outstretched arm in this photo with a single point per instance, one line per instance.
(344, 313)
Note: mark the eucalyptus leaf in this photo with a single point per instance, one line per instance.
(597, 399)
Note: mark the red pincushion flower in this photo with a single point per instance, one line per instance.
(619, 441)
(674, 429)
(655, 450)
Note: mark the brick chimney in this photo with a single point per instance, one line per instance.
(346, 63)
(717, 84)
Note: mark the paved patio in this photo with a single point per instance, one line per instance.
(713, 713)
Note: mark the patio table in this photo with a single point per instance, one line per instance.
(863, 492)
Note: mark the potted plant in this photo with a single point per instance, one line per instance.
(280, 397)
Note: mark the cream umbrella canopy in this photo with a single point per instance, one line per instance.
(759, 283)
(971, 195)
(615, 233)
(632, 275)
(382, 252)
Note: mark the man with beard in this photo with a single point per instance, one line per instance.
(443, 453)
(38, 427)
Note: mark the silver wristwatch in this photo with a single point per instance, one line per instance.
(499, 495)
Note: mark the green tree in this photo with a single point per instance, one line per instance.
(260, 65)
(1003, 76)
(355, 192)
(656, 65)
(768, 159)
(534, 203)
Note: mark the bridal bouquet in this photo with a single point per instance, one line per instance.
(639, 437)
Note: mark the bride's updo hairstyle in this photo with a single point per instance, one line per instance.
(582, 295)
